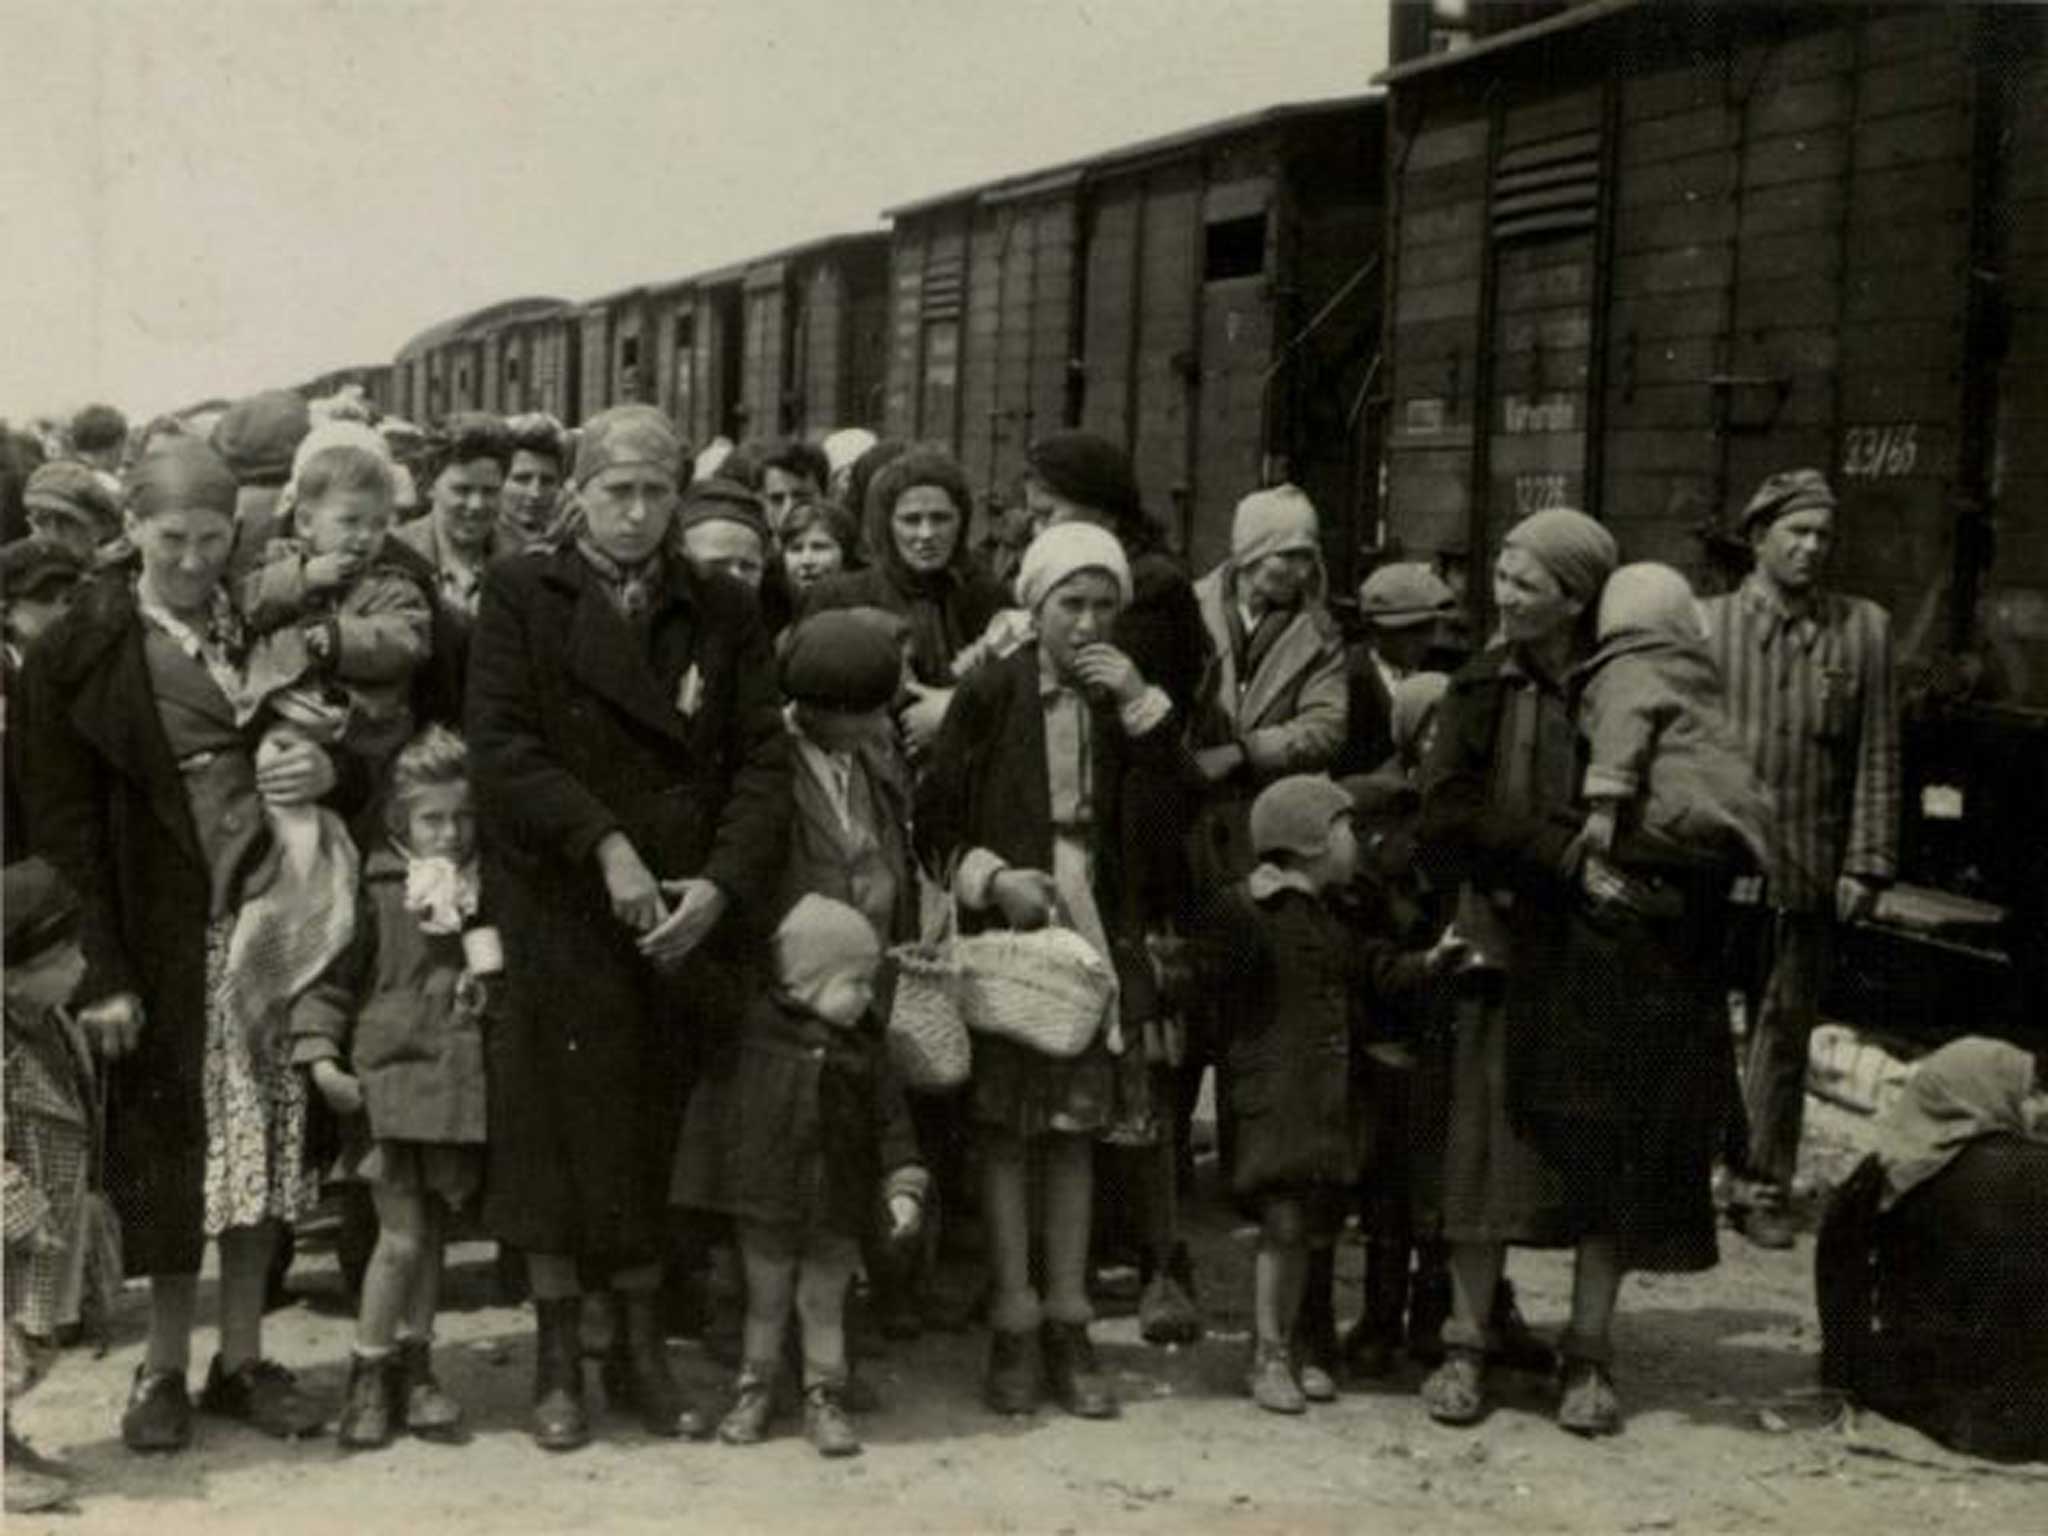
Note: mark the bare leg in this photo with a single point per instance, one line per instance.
(1006, 1210)
(423, 1302)
(393, 1269)
(1279, 1273)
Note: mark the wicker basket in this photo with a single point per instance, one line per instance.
(1048, 990)
(927, 1036)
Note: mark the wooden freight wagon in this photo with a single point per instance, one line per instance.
(1210, 300)
(616, 351)
(1642, 255)
(458, 365)
(373, 379)
(530, 361)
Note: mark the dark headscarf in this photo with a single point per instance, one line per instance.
(1093, 472)
(1970, 1088)
(931, 598)
(182, 474)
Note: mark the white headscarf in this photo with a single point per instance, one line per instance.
(1065, 549)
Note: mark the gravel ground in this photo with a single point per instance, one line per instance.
(1725, 1433)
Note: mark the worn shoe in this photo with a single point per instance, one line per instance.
(1166, 1315)
(30, 1492)
(158, 1417)
(652, 1390)
(23, 1457)
(559, 1422)
(1271, 1381)
(746, 1422)
(370, 1408)
(1767, 1226)
(1590, 1406)
(826, 1424)
(1317, 1384)
(263, 1395)
(1455, 1392)
(1072, 1377)
(424, 1408)
(1011, 1385)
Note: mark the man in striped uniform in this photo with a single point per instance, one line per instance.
(1808, 678)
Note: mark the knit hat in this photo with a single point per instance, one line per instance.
(1794, 490)
(1089, 471)
(1650, 598)
(1295, 814)
(1414, 703)
(820, 940)
(65, 485)
(842, 660)
(1400, 596)
(1570, 545)
(719, 500)
(30, 567)
(41, 909)
(184, 474)
(628, 434)
(1064, 550)
(340, 432)
(1272, 522)
(258, 436)
(846, 445)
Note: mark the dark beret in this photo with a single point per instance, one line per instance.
(259, 435)
(843, 659)
(41, 911)
(716, 499)
(1088, 470)
(66, 485)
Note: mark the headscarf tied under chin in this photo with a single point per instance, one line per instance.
(1571, 546)
(1968, 1089)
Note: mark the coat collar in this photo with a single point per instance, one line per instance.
(1298, 649)
(607, 654)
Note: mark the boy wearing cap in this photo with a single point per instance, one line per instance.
(70, 505)
(1406, 607)
(1807, 678)
(1288, 970)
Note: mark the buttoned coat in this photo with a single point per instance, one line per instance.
(581, 723)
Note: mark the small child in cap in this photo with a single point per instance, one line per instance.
(1296, 980)
(797, 1138)
(1670, 785)
(54, 1255)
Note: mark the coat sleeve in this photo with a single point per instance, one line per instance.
(1310, 739)
(26, 1207)
(322, 1021)
(522, 785)
(752, 845)
(384, 631)
(1465, 835)
(274, 593)
(68, 793)
(902, 1163)
(1621, 712)
(1872, 849)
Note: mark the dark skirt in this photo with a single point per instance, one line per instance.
(1028, 1093)
(1499, 1184)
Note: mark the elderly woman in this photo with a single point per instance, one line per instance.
(144, 791)
(1077, 477)
(632, 775)
(1030, 801)
(460, 536)
(1928, 1270)
(1592, 1066)
(917, 509)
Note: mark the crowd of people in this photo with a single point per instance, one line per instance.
(538, 824)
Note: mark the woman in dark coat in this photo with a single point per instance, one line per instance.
(1592, 1061)
(1027, 802)
(1079, 477)
(1928, 1269)
(632, 775)
(143, 791)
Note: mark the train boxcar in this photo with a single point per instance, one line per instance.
(458, 364)
(373, 379)
(1208, 299)
(1642, 255)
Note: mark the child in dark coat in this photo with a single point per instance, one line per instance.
(393, 1038)
(1293, 973)
(796, 1139)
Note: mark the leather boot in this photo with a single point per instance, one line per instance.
(1012, 1382)
(1072, 1378)
(370, 1408)
(427, 1411)
(651, 1387)
(559, 1422)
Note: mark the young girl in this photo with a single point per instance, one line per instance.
(1290, 968)
(793, 1141)
(393, 1039)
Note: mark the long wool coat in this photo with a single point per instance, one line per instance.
(580, 724)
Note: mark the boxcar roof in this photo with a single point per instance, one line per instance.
(1070, 171)
(1580, 15)
(478, 321)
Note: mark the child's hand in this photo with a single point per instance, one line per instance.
(337, 568)
(343, 1093)
(1600, 828)
(906, 1215)
(1025, 897)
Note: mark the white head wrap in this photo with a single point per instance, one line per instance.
(1064, 549)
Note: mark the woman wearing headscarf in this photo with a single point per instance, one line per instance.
(632, 780)
(1079, 478)
(1027, 803)
(145, 790)
(1592, 1067)
(1928, 1270)
(918, 507)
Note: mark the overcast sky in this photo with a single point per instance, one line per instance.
(203, 197)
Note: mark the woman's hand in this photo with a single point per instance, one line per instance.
(699, 906)
(1607, 886)
(1104, 669)
(1219, 763)
(636, 896)
(1024, 896)
(343, 1092)
(1855, 899)
(113, 1025)
(921, 718)
(297, 774)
